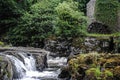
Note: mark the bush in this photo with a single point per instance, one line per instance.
(34, 26)
(70, 22)
(82, 5)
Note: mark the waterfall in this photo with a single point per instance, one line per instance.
(25, 67)
(19, 66)
(29, 61)
(22, 68)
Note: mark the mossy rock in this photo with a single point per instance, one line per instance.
(1, 43)
(117, 72)
(93, 73)
(6, 72)
(96, 66)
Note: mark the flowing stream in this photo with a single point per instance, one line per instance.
(26, 69)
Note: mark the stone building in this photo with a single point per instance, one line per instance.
(93, 23)
(90, 11)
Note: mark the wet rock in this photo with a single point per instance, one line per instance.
(100, 28)
(41, 61)
(59, 47)
(6, 72)
(40, 55)
(64, 73)
(107, 44)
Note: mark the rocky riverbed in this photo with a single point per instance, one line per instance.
(6, 66)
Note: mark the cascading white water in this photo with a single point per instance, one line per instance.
(29, 61)
(57, 61)
(27, 68)
(20, 67)
(23, 68)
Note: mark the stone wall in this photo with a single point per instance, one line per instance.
(91, 17)
(75, 46)
(91, 11)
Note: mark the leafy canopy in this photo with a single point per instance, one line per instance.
(70, 22)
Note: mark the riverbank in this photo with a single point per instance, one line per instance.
(94, 66)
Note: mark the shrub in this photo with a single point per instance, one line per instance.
(70, 22)
(34, 26)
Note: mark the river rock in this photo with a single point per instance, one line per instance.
(40, 55)
(64, 73)
(59, 47)
(41, 61)
(6, 72)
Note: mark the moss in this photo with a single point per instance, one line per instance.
(106, 12)
(96, 66)
(94, 72)
(116, 72)
(1, 43)
(74, 65)
(117, 34)
(78, 42)
(8, 74)
(108, 73)
(1, 58)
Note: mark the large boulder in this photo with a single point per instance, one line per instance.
(95, 66)
(41, 61)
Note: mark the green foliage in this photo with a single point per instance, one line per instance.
(29, 22)
(1, 43)
(93, 72)
(9, 14)
(82, 4)
(35, 25)
(106, 12)
(93, 65)
(25, 4)
(70, 22)
(107, 73)
(74, 65)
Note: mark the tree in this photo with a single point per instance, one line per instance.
(35, 25)
(82, 5)
(9, 14)
(70, 22)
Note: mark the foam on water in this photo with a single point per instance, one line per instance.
(27, 68)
